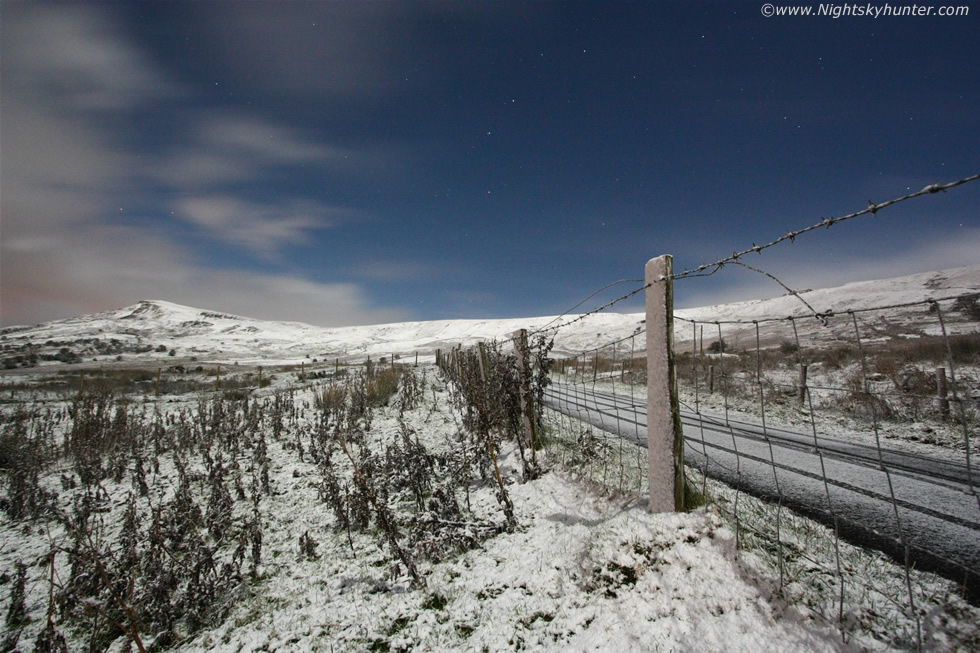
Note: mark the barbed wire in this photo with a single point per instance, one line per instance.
(609, 285)
(826, 315)
(742, 461)
(792, 292)
(700, 271)
(638, 331)
(791, 236)
(593, 311)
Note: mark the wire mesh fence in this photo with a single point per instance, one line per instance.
(863, 420)
(841, 446)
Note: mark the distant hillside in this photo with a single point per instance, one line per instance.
(856, 296)
(159, 330)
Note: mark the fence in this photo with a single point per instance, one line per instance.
(835, 441)
(826, 437)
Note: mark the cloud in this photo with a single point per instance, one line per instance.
(73, 82)
(67, 77)
(266, 141)
(262, 228)
(284, 297)
(97, 267)
(55, 171)
(337, 51)
(225, 148)
(70, 55)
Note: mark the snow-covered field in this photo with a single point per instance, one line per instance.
(585, 568)
(582, 570)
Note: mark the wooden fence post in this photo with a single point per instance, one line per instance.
(665, 435)
(524, 383)
(801, 388)
(482, 361)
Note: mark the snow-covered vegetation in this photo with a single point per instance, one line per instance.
(380, 509)
(179, 479)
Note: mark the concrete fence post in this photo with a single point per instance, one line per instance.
(665, 435)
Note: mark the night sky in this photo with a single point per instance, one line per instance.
(345, 163)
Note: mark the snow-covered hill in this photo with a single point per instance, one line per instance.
(898, 321)
(152, 330)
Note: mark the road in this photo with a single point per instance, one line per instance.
(887, 500)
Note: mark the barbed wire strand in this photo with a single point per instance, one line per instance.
(831, 314)
(593, 311)
(785, 287)
(872, 210)
(606, 287)
(639, 330)
(699, 271)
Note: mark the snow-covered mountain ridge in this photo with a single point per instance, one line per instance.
(154, 329)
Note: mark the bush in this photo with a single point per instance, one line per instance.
(382, 386)
(968, 306)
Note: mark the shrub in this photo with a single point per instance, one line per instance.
(788, 347)
(968, 306)
(382, 386)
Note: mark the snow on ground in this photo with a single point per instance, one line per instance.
(582, 571)
(157, 327)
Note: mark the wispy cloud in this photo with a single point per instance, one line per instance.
(70, 55)
(67, 77)
(226, 148)
(262, 228)
(266, 141)
(72, 81)
(98, 267)
(338, 51)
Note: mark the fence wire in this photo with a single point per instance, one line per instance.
(709, 269)
(864, 422)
